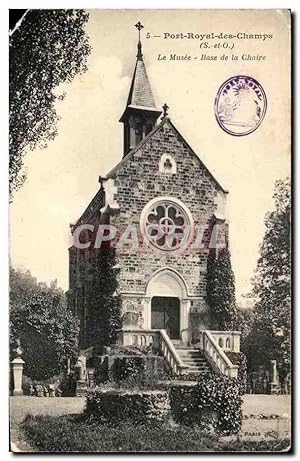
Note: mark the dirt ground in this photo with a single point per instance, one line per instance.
(265, 416)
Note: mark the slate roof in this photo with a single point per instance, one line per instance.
(140, 93)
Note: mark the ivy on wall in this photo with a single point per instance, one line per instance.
(220, 289)
(104, 302)
(240, 359)
(214, 401)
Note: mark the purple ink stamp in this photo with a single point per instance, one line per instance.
(240, 105)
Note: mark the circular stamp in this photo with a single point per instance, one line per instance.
(240, 105)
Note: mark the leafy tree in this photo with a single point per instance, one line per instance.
(244, 322)
(104, 314)
(270, 334)
(46, 328)
(49, 47)
(221, 289)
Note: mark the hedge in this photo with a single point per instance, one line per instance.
(114, 406)
(70, 433)
(214, 403)
(240, 359)
(130, 370)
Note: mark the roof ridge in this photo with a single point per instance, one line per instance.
(124, 159)
(202, 163)
(132, 151)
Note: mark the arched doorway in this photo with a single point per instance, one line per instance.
(167, 303)
(165, 314)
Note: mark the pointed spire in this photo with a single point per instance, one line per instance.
(141, 113)
(139, 27)
(139, 53)
(140, 93)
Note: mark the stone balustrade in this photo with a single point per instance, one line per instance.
(217, 357)
(159, 340)
(140, 338)
(170, 354)
(213, 343)
(227, 340)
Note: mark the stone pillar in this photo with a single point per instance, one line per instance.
(146, 306)
(184, 320)
(81, 388)
(81, 381)
(274, 387)
(236, 342)
(273, 372)
(17, 369)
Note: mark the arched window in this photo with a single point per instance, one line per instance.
(167, 223)
(167, 164)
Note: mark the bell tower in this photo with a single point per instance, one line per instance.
(141, 113)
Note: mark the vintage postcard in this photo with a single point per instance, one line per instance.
(150, 300)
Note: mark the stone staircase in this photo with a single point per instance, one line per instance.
(192, 358)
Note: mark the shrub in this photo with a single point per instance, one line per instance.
(60, 381)
(131, 371)
(125, 367)
(277, 446)
(113, 406)
(240, 359)
(214, 400)
(47, 330)
(70, 434)
(130, 350)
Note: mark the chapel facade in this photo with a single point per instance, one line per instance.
(159, 181)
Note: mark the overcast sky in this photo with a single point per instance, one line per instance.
(64, 177)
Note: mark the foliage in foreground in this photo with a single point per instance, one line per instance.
(50, 47)
(240, 359)
(213, 394)
(270, 333)
(71, 434)
(48, 331)
(111, 406)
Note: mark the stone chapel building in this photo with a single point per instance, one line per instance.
(159, 179)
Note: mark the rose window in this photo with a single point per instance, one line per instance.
(167, 224)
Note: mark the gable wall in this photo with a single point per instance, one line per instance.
(138, 181)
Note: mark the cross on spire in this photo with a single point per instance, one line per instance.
(165, 109)
(139, 27)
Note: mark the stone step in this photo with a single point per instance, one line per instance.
(202, 365)
(196, 361)
(187, 351)
(192, 356)
(197, 370)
